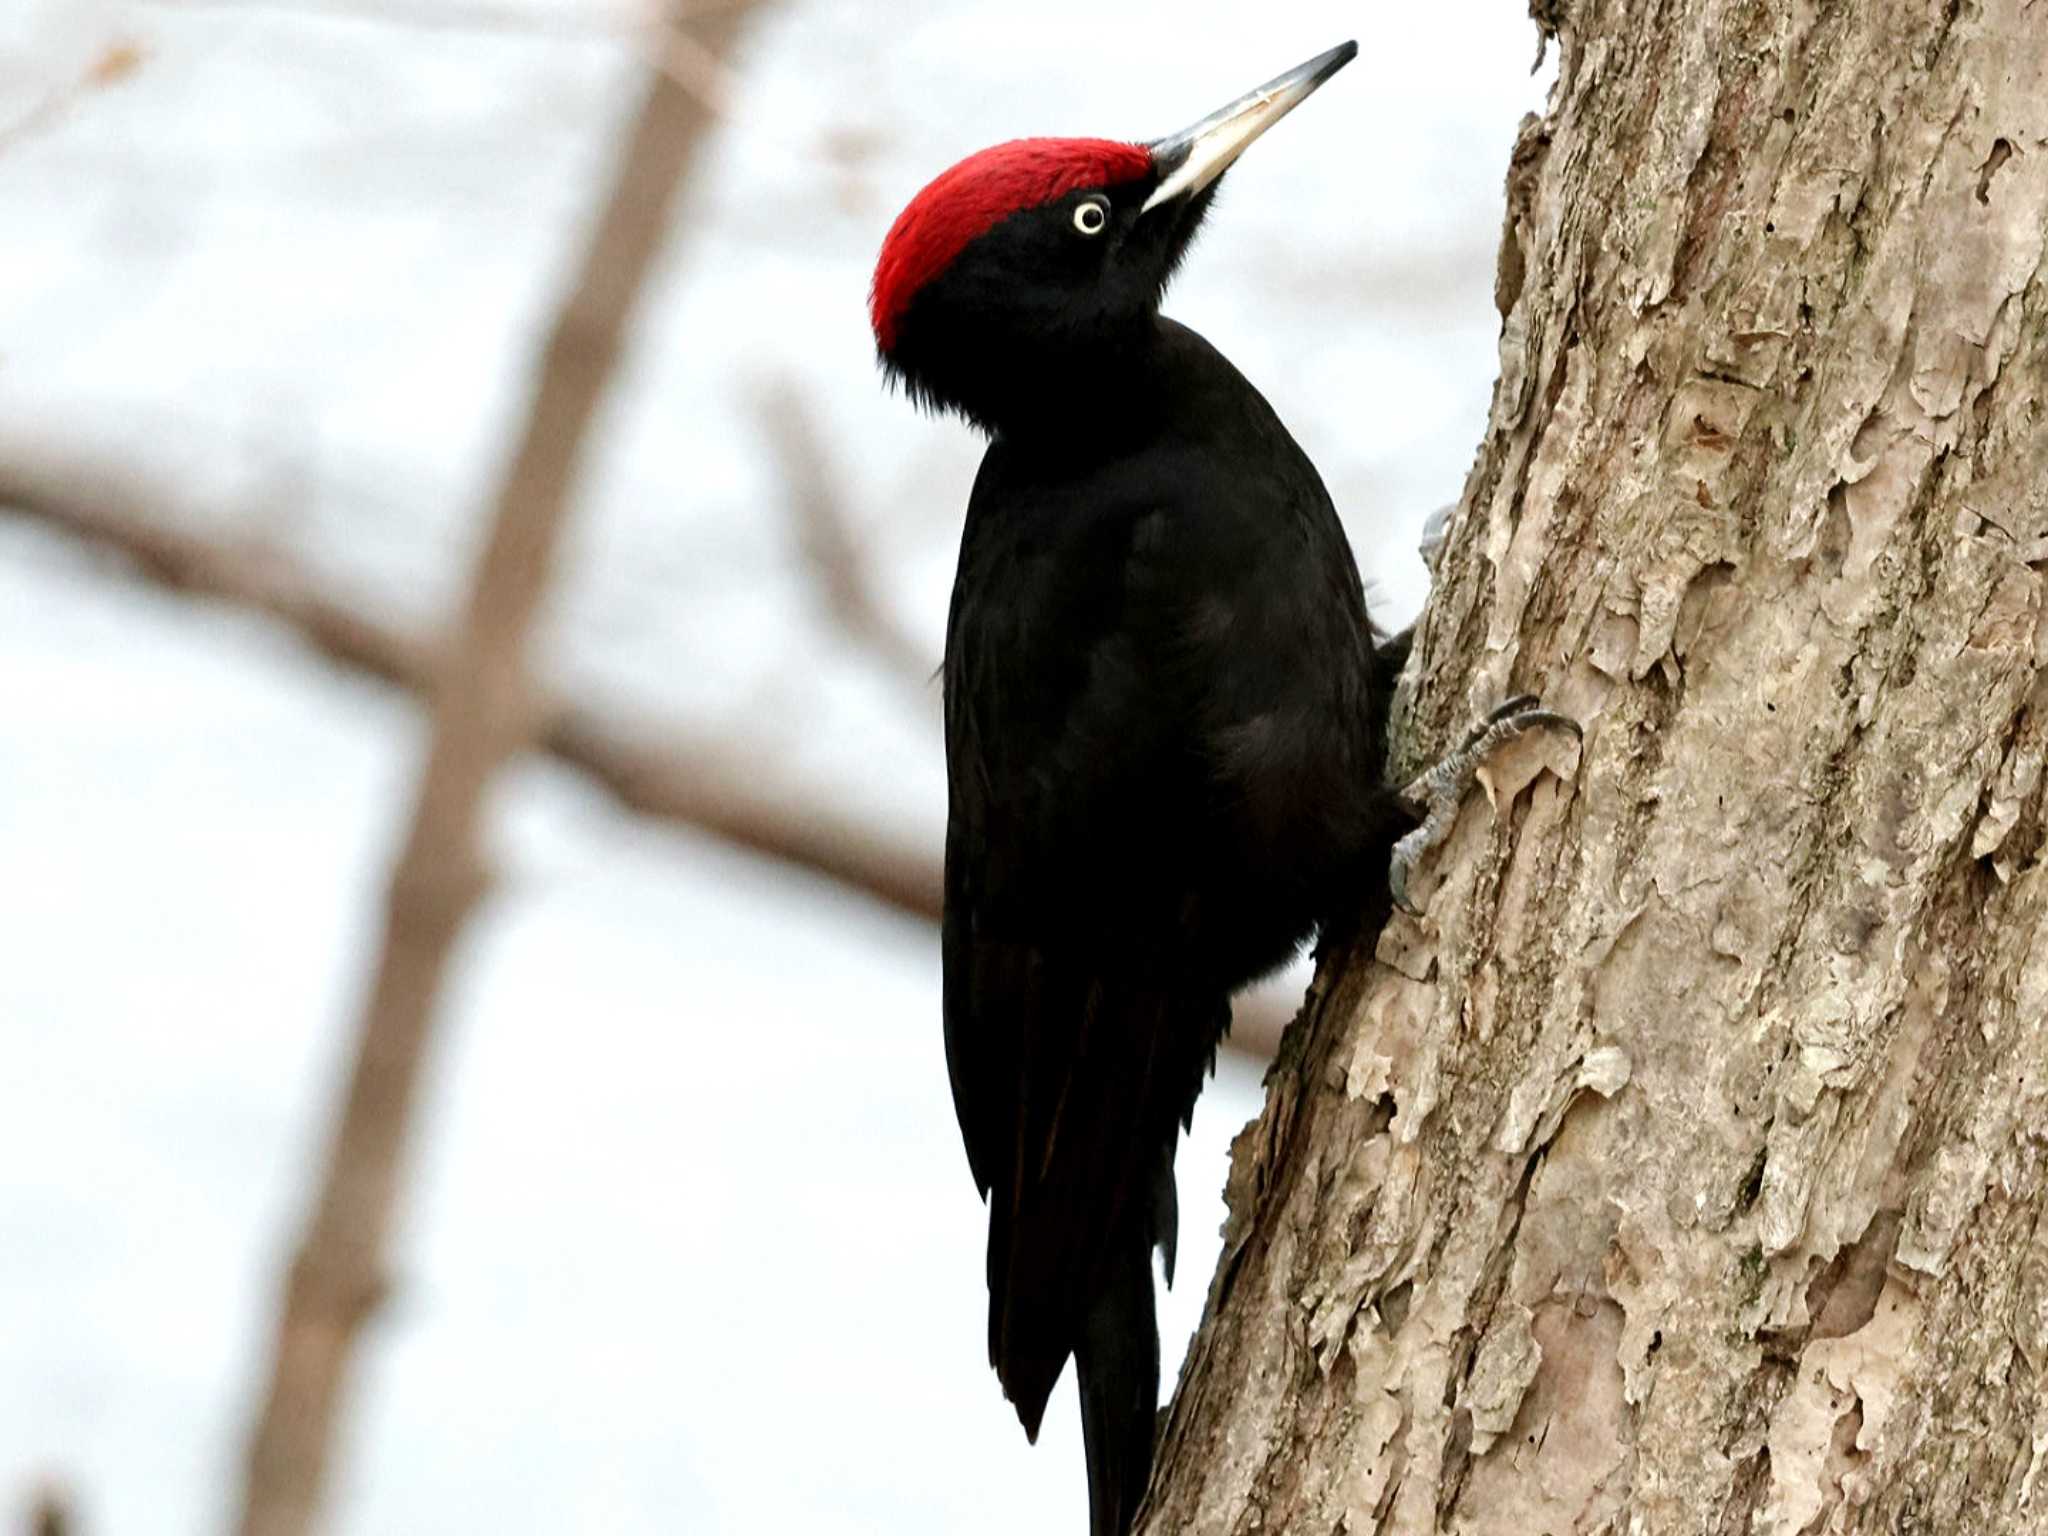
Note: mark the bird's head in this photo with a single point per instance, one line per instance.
(1029, 271)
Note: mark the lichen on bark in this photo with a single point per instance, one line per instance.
(1686, 1168)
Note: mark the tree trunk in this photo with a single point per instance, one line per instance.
(1686, 1168)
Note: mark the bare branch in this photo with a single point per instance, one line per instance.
(51, 1512)
(698, 784)
(483, 714)
(683, 775)
(125, 515)
(830, 548)
(110, 66)
(697, 68)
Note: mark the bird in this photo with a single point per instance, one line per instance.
(1165, 709)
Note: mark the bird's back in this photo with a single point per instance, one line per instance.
(1159, 679)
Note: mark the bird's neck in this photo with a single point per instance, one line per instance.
(1086, 400)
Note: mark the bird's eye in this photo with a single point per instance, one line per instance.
(1092, 217)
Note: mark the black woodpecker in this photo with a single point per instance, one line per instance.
(1165, 724)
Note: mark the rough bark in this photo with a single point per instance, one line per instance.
(1685, 1170)
(484, 712)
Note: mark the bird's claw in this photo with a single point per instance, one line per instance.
(1436, 792)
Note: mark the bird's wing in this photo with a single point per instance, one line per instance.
(1079, 1022)
(1072, 774)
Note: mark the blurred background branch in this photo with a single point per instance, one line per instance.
(113, 64)
(841, 572)
(50, 1512)
(484, 712)
(699, 778)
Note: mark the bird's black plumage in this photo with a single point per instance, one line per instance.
(1164, 737)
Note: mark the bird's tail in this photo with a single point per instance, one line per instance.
(1117, 1362)
(1076, 1210)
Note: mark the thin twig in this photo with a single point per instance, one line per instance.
(112, 65)
(842, 572)
(685, 775)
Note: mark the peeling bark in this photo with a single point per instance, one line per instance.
(1685, 1169)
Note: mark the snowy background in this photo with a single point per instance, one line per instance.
(690, 1246)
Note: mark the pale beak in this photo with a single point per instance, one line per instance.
(1191, 159)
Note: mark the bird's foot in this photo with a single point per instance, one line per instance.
(1436, 792)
